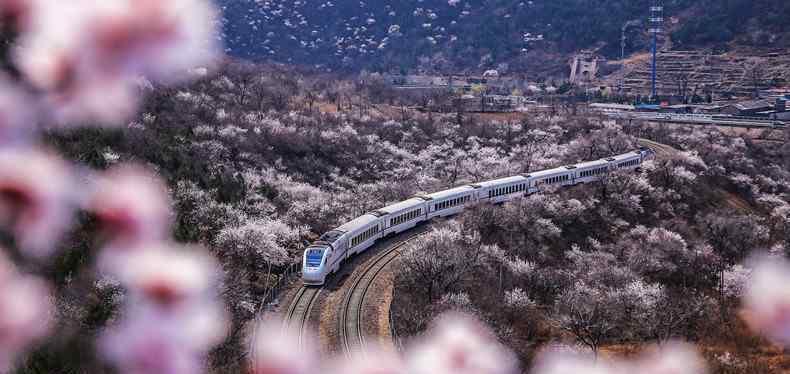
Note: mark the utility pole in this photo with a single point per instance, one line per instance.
(656, 23)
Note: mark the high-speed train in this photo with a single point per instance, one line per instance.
(326, 255)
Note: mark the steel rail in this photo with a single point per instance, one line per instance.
(350, 316)
(300, 309)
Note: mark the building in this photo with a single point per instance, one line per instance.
(752, 108)
(584, 67)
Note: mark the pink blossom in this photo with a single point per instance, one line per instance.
(172, 316)
(161, 40)
(117, 39)
(85, 55)
(672, 358)
(132, 206)
(25, 312)
(37, 197)
(282, 350)
(15, 12)
(149, 346)
(460, 345)
(168, 276)
(371, 361)
(16, 121)
(563, 362)
(767, 299)
(101, 101)
(196, 325)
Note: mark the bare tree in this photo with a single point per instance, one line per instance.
(587, 314)
(437, 263)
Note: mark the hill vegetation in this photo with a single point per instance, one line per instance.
(469, 35)
(260, 159)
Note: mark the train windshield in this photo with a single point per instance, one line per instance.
(314, 257)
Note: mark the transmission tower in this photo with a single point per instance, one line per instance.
(656, 27)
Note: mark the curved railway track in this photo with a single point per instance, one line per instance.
(300, 309)
(661, 149)
(350, 323)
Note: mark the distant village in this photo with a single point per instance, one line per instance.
(688, 82)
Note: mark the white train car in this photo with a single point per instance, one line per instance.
(501, 190)
(402, 216)
(590, 171)
(542, 180)
(449, 202)
(327, 254)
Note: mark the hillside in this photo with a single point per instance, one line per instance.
(458, 35)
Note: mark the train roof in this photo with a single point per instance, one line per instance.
(501, 181)
(627, 156)
(550, 172)
(592, 164)
(358, 223)
(605, 161)
(401, 206)
(449, 193)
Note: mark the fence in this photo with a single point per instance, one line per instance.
(272, 293)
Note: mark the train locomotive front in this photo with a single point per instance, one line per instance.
(319, 258)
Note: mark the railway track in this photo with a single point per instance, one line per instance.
(661, 149)
(300, 309)
(350, 322)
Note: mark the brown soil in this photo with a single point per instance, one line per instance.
(335, 290)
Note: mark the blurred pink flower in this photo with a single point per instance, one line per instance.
(160, 40)
(767, 299)
(37, 198)
(460, 345)
(25, 312)
(172, 315)
(143, 346)
(281, 350)
(106, 102)
(132, 206)
(671, 358)
(85, 54)
(169, 276)
(15, 12)
(371, 361)
(17, 123)
(564, 362)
